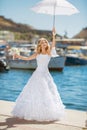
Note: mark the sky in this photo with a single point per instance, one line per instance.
(20, 12)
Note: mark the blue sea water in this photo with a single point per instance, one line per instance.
(71, 84)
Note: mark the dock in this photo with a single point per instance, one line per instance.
(74, 120)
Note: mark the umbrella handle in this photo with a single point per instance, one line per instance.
(54, 21)
(54, 14)
(53, 31)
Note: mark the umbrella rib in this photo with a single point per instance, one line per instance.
(54, 14)
(61, 6)
(67, 7)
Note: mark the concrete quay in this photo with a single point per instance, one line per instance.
(75, 120)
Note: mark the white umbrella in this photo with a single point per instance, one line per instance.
(55, 7)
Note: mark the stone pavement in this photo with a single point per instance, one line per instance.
(75, 120)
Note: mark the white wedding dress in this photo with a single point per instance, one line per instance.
(40, 100)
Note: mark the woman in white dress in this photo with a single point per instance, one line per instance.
(40, 100)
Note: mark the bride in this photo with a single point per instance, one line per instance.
(39, 99)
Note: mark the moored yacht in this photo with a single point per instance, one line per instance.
(56, 63)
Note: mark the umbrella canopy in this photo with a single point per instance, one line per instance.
(55, 7)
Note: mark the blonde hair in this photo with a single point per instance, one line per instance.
(39, 48)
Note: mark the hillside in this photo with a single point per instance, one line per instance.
(8, 24)
(82, 34)
(22, 31)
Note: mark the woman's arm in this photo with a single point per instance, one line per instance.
(53, 38)
(26, 58)
(52, 49)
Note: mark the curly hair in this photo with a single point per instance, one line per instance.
(39, 48)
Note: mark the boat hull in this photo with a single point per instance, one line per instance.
(75, 61)
(3, 66)
(56, 63)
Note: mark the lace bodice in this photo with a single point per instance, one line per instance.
(43, 60)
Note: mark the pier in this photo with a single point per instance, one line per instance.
(74, 120)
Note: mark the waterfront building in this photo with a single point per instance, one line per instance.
(6, 35)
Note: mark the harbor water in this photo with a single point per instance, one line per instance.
(71, 84)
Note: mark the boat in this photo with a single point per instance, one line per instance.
(3, 63)
(84, 50)
(77, 56)
(3, 66)
(72, 60)
(56, 63)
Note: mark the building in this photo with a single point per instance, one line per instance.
(6, 35)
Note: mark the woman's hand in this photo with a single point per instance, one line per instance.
(53, 31)
(53, 37)
(15, 56)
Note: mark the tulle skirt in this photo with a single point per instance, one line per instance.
(39, 100)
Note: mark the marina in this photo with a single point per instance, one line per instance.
(67, 54)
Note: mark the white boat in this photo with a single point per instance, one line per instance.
(56, 63)
(84, 50)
